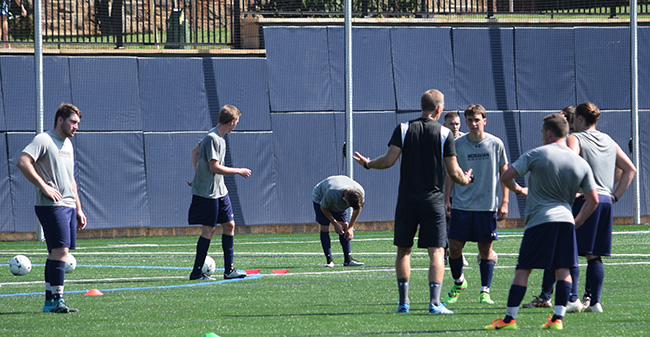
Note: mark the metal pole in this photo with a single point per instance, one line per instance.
(38, 70)
(634, 69)
(348, 91)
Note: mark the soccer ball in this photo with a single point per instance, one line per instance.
(208, 266)
(70, 263)
(20, 265)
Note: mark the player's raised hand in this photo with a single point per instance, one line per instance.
(360, 158)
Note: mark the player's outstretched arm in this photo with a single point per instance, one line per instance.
(383, 162)
(456, 173)
(217, 168)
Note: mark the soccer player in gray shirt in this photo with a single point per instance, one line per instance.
(476, 207)
(210, 200)
(48, 163)
(594, 237)
(331, 198)
(549, 242)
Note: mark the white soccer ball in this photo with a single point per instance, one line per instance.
(20, 265)
(208, 266)
(70, 263)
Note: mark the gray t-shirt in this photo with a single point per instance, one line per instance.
(329, 192)
(54, 162)
(207, 184)
(485, 158)
(556, 174)
(599, 150)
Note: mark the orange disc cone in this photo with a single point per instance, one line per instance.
(94, 292)
(280, 271)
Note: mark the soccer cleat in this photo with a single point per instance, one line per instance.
(59, 307)
(452, 296)
(403, 308)
(553, 325)
(594, 308)
(485, 298)
(586, 301)
(353, 263)
(49, 305)
(439, 310)
(499, 324)
(575, 306)
(234, 274)
(201, 277)
(329, 264)
(537, 302)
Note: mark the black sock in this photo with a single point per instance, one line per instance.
(403, 289)
(326, 243)
(202, 246)
(345, 244)
(227, 242)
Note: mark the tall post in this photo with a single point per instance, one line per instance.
(236, 23)
(634, 69)
(38, 71)
(349, 148)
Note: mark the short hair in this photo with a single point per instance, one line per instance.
(474, 109)
(228, 114)
(354, 198)
(64, 111)
(431, 100)
(568, 112)
(451, 114)
(556, 123)
(589, 111)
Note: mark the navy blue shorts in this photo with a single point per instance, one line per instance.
(548, 246)
(429, 217)
(595, 235)
(322, 220)
(59, 226)
(473, 226)
(210, 212)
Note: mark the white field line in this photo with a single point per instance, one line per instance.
(390, 270)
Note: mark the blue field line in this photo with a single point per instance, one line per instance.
(249, 277)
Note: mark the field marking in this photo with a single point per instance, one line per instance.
(250, 277)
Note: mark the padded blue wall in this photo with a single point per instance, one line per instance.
(372, 73)
(146, 114)
(484, 65)
(19, 93)
(173, 95)
(422, 60)
(299, 74)
(111, 178)
(545, 68)
(242, 82)
(603, 66)
(6, 209)
(107, 89)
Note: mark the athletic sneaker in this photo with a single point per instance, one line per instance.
(538, 302)
(499, 324)
(403, 308)
(353, 263)
(485, 298)
(553, 325)
(594, 308)
(575, 306)
(439, 310)
(201, 277)
(58, 307)
(234, 274)
(586, 301)
(329, 264)
(452, 296)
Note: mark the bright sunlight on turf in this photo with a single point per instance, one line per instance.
(147, 291)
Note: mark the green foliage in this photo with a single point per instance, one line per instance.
(309, 300)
